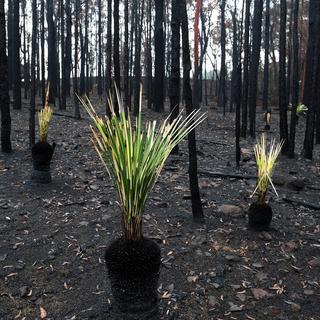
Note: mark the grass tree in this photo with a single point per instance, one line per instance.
(135, 155)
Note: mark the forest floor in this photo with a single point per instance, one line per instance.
(53, 237)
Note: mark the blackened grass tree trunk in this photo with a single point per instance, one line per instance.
(295, 79)
(109, 56)
(4, 86)
(159, 56)
(282, 77)
(116, 52)
(193, 166)
(76, 41)
(254, 65)
(265, 104)
(16, 57)
(174, 87)
(245, 87)
(223, 69)
(32, 122)
(52, 52)
(312, 82)
(99, 87)
(137, 62)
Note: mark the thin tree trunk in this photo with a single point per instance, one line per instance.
(109, 56)
(137, 63)
(245, 87)
(254, 65)
(100, 48)
(16, 57)
(193, 165)
(282, 77)
(116, 52)
(265, 104)
(174, 87)
(75, 81)
(43, 77)
(295, 79)
(4, 86)
(223, 71)
(32, 121)
(159, 56)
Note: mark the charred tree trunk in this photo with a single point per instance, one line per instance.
(149, 58)
(32, 121)
(10, 43)
(4, 86)
(265, 104)
(62, 104)
(223, 70)
(16, 57)
(174, 88)
(68, 50)
(159, 56)
(52, 52)
(109, 56)
(75, 80)
(100, 91)
(312, 82)
(295, 79)
(43, 76)
(245, 87)
(193, 165)
(254, 65)
(282, 77)
(116, 52)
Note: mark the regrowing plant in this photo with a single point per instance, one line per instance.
(301, 109)
(135, 155)
(266, 159)
(44, 117)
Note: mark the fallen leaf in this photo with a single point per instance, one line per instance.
(43, 313)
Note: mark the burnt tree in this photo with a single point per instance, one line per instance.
(4, 86)
(193, 165)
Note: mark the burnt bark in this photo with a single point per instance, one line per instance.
(159, 56)
(4, 86)
(16, 57)
(254, 64)
(193, 165)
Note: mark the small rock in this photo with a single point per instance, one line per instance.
(295, 307)
(278, 180)
(199, 240)
(241, 296)
(232, 257)
(257, 265)
(290, 246)
(260, 293)
(213, 301)
(193, 278)
(229, 209)
(265, 236)
(24, 291)
(3, 257)
(314, 262)
(234, 307)
(84, 223)
(296, 185)
(94, 187)
(308, 292)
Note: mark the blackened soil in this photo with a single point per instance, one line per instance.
(53, 237)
